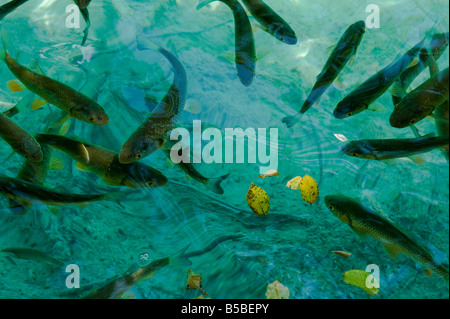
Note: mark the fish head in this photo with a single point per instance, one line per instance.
(347, 108)
(283, 32)
(93, 114)
(82, 4)
(137, 147)
(29, 149)
(359, 148)
(143, 176)
(356, 31)
(339, 206)
(406, 114)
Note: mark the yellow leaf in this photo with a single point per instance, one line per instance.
(294, 183)
(362, 279)
(276, 290)
(194, 281)
(258, 200)
(269, 173)
(342, 253)
(309, 189)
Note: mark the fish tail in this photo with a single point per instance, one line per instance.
(214, 184)
(290, 121)
(202, 3)
(16, 208)
(180, 258)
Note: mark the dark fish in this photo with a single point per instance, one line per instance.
(105, 163)
(151, 135)
(438, 44)
(26, 192)
(60, 95)
(9, 7)
(244, 41)
(421, 102)
(393, 148)
(360, 98)
(82, 5)
(115, 288)
(363, 221)
(342, 53)
(20, 141)
(271, 22)
(30, 254)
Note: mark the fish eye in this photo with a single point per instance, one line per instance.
(331, 207)
(92, 118)
(139, 155)
(412, 121)
(150, 183)
(354, 154)
(349, 114)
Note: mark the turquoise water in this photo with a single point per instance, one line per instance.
(294, 242)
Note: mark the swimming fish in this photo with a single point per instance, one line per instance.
(212, 183)
(151, 135)
(26, 192)
(438, 44)
(115, 288)
(270, 21)
(359, 99)
(421, 102)
(9, 7)
(29, 254)
(364, 221)
(82, 5)
(60, 95)
(20, 141)
(345, 49)
(105, 163)
(244, 41)
(393, 148)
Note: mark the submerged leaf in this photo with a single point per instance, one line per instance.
(258, 200)
(309, 189)
(362, 279)
(269, 173)
(194, 281)
(276, 290)
(294, 183)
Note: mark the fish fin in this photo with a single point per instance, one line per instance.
(193, 106)
(414, 62)
(169, 163)
(214, 184)
(202, 3)
(432, 119)
(38, 103)
(54, 210)
(144, 43)
(36, 68)
(330, 49)
(393, 253)
(256, 27)
(56, 164)
(338, 84)
(81, 167)
(428, 272)
(398, 90)
(179, 258)
(11, 260)
(82, 206)
(17, 208)
(9, 156)
(415, 131)
(262, 53)
(64, 128)
(377, 107)
(62, 121)
(290, 121)
(188, 177)
(15, 86)
(418, 160)
(432, 65)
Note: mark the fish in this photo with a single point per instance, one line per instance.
(421, 101)
(271, 22)
(211, 183)
(344, 51)
(366, 222)
(25, 192)
(244, 41)
(438, 44)
(105, 163)
(442, 122)
(360, 98)
(118, 286)
(29, 254)
(151, 135)
(9, 7)
(393, 148)
(82, 5)
(20, 140)
(58, 94)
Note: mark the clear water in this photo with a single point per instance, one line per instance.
(293, 243)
